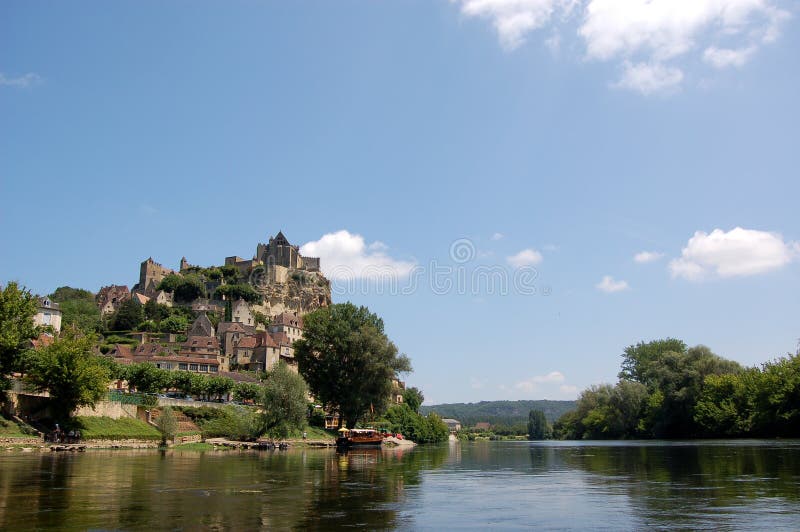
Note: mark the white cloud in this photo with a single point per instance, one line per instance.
(526, 257)
(609, 285)
(531, 384)
(346, 255)
(726, 57)
(21, 82)
(512, 19)
(568, 388)
(644, 257)
(649, 33)
(498, 236)
(649, 78)
(739, 252)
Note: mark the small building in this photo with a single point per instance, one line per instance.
(289, 324)
(110, 298)
(453, 424)
(241, 313)
(47, 314)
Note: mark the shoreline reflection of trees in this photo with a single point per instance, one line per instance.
(660, 477)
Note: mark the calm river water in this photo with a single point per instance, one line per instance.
(731, 485)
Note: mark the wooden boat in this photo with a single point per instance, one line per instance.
(349, 438)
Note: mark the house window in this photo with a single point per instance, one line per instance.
(192, 367)
(212, 369)
(182, 365)
(204, 368)
(46, 318)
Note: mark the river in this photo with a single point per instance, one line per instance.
(713, 485)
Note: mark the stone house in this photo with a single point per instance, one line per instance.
(48, 313)
(288, 324)
(241, 312)
(110, 298)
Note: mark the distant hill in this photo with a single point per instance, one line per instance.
(499, 412)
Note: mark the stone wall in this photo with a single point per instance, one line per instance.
(110, 409)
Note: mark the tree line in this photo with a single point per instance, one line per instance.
(669, 390)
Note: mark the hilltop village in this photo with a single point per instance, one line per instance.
(244, 315)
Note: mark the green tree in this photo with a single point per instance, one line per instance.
(284, 400)
(147, 378)
(218, 386)
(348, 361)
(192, 287)
(538, 427)
(247, 391)
(636, 359)
(170, 283)
(238, 291)
(417, 428)
(174, 324)
(129, 315)
(78, 309)
(17, 309)
(413, 398)
(261, 319)
(167, 423)
(69, 370)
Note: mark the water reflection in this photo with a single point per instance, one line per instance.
(622, 485)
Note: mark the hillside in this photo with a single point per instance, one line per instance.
(499, 412)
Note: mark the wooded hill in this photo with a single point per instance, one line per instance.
(499, 412)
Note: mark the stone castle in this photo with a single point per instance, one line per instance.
(287, 281)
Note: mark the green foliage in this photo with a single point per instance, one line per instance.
(605, 412)
(174, 324)
(170, 283)
(636, 359)
(234, 422)
(284, 401)
(17, 308)
(348, 361)
(167, 423)
(78, 309)
(148, 326)
(147, 378)
(70, 371)
(229, 272)
(538, 427)
(247, 391)
(192, 287)
(238, 291)
(128, 316)
(662, 393)
(184, 287)
(413, 398)
(418, 428)
(261, 319)
(217, 386)
(756, 402)
(499, 412)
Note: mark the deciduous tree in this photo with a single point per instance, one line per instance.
(17, 308)
(70, 371)
(348, 361)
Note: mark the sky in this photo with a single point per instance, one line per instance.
(521, 189)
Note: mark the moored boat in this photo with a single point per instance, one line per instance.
(349, 438)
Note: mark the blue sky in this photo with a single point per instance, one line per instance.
(547, 139)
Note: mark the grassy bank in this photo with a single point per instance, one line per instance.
(194, 446)
(105, 428)
(10, 429)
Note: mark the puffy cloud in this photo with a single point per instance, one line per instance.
(21, 82)
(736, 253)
(649, 78)
(725, 57)
(644, 257)
(526, 257)
(346, 255)
(609, 285)
(648, 32)
(512, 19)
(498, 236)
